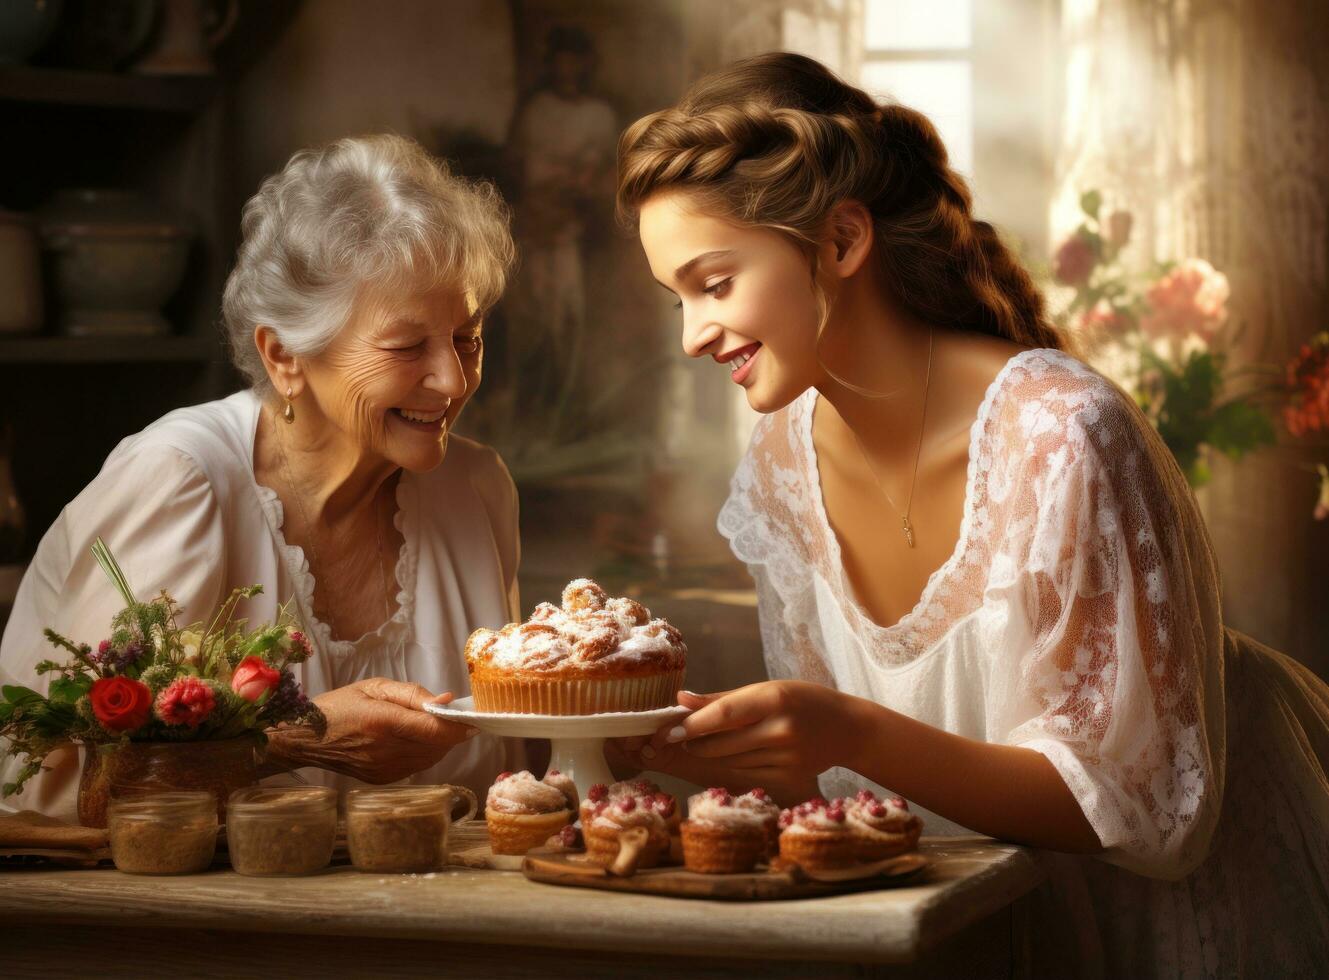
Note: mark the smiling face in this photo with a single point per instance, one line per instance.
(395, 379)
(746, 295)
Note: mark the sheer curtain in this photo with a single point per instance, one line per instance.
(1208, 120)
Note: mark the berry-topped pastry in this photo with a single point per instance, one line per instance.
(885, 827)
(608, 811)
(590, 655)
(760, 802)
(522, 812)
(723, 835)
(817, 835)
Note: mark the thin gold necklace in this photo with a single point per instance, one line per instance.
(309, 528)
(909, 504)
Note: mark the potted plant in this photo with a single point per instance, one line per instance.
(158, 705)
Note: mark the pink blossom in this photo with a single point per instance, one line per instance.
(1119, 228)
(253, 678)
(186, 701)
(1074, 261)
(1102, 322)
(1190, 299)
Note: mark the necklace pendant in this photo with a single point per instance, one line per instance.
(908, 531)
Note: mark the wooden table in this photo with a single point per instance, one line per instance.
(964, 919)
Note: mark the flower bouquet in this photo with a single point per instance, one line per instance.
(1163, 338)
(152, 681)
(1306, 414)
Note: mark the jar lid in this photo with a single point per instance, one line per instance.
(400, 799)
(254, 800)
(161, 804)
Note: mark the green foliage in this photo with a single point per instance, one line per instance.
(146, 646)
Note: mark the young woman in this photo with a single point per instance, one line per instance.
(983, 581)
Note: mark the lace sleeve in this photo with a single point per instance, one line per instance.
(1124, 668)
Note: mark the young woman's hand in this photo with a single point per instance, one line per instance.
(378, 731)
(777, 734)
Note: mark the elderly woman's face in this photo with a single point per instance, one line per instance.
(398, 376)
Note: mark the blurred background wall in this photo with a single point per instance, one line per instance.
(1205, 120)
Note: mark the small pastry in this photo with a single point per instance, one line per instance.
(522, 812)
(563, 782)
(603, 818)
(642, 788)
(567, 839)
(759, 802)
(720, 836)
(816, 835)
(884, 828)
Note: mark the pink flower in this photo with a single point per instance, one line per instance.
(1103, 322)
(186, 701)
(1119, 228)
(1190, 299)
(1074, 261)
(253, 678)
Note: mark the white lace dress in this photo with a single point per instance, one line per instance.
(180, 507)
(1079, 616)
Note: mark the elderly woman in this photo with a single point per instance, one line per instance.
(355, 311)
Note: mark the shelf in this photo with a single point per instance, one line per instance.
(184, 94)
(107, 350)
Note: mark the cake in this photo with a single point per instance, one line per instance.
(884, 827)
(608, 811)
(522, 812)
(590, 655)
(817, 835)
(720, 836)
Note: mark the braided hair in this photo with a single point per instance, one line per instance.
(778, 141)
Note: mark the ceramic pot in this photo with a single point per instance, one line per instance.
(24, 27)
(188, 32)
(20, 275)
(115, 259)
(221, 766)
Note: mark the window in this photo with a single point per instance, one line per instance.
(920, 53)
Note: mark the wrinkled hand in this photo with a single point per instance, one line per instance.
(377, 731)
(779, 735)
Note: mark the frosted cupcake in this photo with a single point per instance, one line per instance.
(604, 817)
(721, 836)
(816, 835)
(884, 828)
(591, 655)
(522, 812)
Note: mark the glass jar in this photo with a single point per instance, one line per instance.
(168, 833)
(402, 828)
(281, 831)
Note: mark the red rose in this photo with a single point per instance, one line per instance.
(120, 704)
(254, 678)
(1074, 261)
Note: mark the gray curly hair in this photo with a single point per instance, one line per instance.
(368, 209)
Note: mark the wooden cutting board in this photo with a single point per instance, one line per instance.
(572, 868)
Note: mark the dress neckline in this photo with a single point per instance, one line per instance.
(393, 630)
(848, 596)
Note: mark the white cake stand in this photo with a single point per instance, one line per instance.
(576, 741)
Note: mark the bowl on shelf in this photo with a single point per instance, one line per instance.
(25, 26)
(115, 258)
(20, 275)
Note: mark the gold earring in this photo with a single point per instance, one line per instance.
(288, 413)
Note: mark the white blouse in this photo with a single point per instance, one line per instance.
(180, 508)
(1079, 617)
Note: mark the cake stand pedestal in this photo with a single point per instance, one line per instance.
(576, 741)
